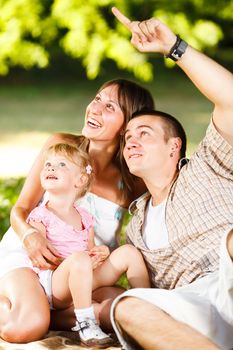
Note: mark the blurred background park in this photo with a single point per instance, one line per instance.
(54, 54)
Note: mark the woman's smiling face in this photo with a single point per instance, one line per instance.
(104, 118)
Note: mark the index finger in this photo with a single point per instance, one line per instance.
(122, 18)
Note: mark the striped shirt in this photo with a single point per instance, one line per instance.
(199, 210)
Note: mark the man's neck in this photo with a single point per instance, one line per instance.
(160, 189)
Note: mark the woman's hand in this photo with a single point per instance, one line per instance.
(41, 252)
(98, 254)
(148, 36)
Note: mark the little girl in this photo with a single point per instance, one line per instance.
(66, 176)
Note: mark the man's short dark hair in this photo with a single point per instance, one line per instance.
(171, 126)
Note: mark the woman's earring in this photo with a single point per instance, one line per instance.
(171, 155)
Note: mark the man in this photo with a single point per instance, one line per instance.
(183, 226)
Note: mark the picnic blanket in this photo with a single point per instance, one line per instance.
(55, 340)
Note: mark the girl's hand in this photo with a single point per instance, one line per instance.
(100, 252)
(41, 252)
(96, 261)
(148, 36)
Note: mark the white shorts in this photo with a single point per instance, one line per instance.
(45, 277)
(206, 304)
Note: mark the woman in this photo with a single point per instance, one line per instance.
(24, 310)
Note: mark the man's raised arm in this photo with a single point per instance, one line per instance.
(214, 81)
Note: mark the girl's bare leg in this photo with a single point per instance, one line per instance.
(76, 274)
(24, 308)
(102, 299)
(72, 282)
(124, 259)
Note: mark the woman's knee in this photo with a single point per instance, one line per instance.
(26, 315)
(32, 327)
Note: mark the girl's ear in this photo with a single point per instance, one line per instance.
(81, 181)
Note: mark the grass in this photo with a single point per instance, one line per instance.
(9, 190)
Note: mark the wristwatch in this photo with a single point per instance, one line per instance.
(177, 50)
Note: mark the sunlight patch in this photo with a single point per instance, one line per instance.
(18, 152)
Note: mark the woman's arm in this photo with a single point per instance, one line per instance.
(214, 81)
(35, 244)
(39, 227)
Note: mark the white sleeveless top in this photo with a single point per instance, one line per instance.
(154, 230)
(108, 218)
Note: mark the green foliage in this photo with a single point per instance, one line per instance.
(21, 25)
(200, 34)
(87, 31)
(9, 191)
(92, 39)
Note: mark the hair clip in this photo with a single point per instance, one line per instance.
(88, 169)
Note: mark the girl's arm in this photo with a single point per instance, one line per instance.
(97, 253)
(32, 192)
(91, 242)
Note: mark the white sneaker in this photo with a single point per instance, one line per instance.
(92, 335)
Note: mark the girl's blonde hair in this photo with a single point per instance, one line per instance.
(77, 156)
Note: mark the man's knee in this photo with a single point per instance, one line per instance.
(132, 310)
(125, 310)
(230, 243)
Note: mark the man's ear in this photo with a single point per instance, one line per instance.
(176, 144)
(81, 181)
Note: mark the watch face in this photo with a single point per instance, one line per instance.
(178, 51)
(175, 55)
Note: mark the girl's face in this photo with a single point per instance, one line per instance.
(60, 174)
(104, 118)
